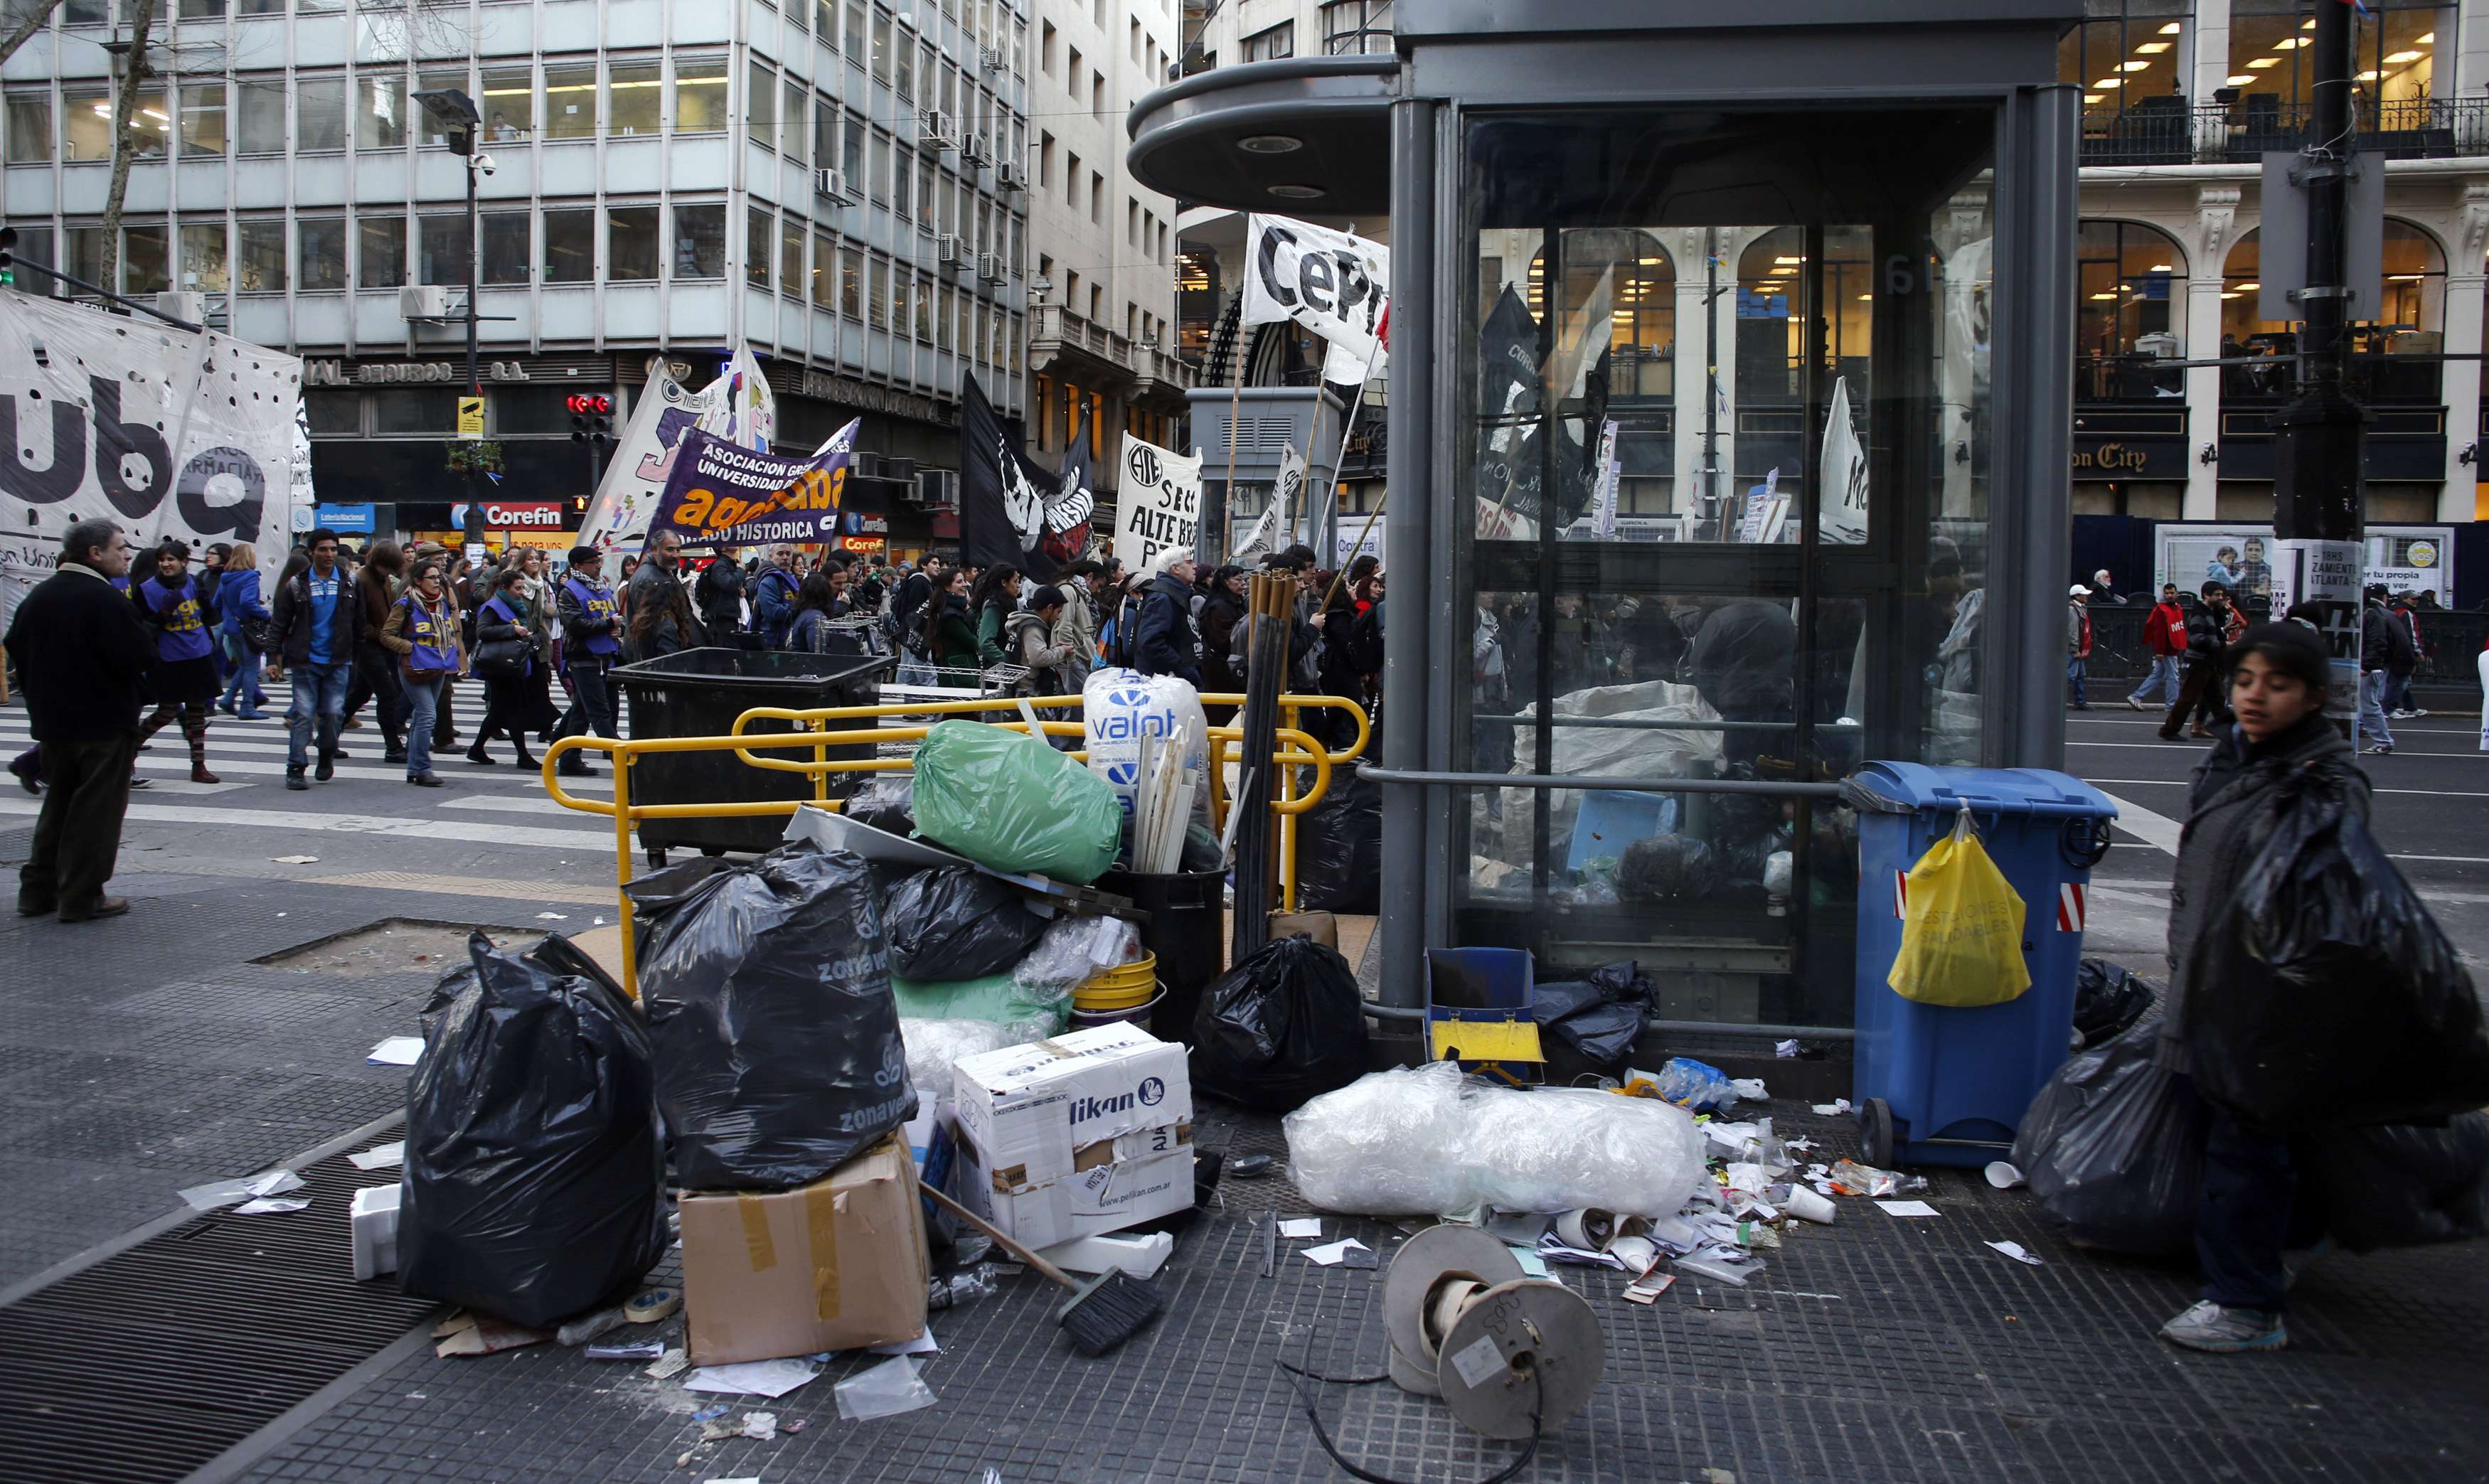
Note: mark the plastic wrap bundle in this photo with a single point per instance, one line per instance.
(1010, 803)
(956, 922)
(934, 1046)
(1382, 1145)
(1665, 868)
(1420, 1142)
(1026, 1014)
(1074, 948)
(1119, 707)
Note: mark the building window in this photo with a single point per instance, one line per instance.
(570, 100)
(699, 241)
(790, 256)
(531, 411)
(877, 298)
(825, 270)
(569, 245)
(699, 94)
(319, 115)
(505, 247)
(380, 243)
(380, 113)
(902, 178)
(259, 118)
(880, 169)
(791, 100)
(203, 10)
(86, 124)
(442, 238)
(855, 37)
(882, 45)
(852, 154)
(333, 413)
(260, 264)
(1280, 40)
(851, 285)
(509, 104)
(416, 409)
(86, 13)
(204, 268)
(86, 254)
(922, 290)
(145, 267)
(759, 243)
(630, 243)
(904, 61)
(319, 254)
(639, 94)
(760, 106)
(825, 134)
(203, 119)
(2394, 51)
(2126, 310)
(30, 129)
(1352, 26)
(430, 132)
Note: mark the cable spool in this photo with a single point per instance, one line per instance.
(1465, 1323)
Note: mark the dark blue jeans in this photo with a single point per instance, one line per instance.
(2242, 1215)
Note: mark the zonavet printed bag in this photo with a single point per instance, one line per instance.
(1962, 927)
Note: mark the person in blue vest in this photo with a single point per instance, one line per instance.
(504, 658)
(238, 598)
(592, 627)
(422, 631)
(774, 596)
(318, 621)
(183, 680)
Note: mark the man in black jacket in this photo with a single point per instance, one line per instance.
(81, 655)
(1162, 634)
(2207, 635)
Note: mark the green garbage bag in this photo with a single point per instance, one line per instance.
(999, 998)
(1007, 801)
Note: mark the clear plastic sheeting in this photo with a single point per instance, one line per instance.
(1074, 948)
(934, 1046)
(1423, 1141)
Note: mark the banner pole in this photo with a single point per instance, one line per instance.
(1331, 486)
(1234, 409)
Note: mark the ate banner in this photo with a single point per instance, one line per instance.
(720, 493)
(1012, 511)
(1157, 502)
(176, 435)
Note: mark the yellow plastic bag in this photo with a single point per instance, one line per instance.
(1962, 927)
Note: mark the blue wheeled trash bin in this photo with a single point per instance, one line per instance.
(1937, 1084)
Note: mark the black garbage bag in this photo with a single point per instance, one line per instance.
(2400, 1185)
(1591, 1024)
(529, 1188)
(887, 803)
(2114, 1146)
(955, 922)
(776, 1040)
(2107, 999)
(1339, 847)
(1665, 868)
(1283, 1026)
(2322, 994)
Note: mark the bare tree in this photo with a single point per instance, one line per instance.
(35, 20)
(134, 72)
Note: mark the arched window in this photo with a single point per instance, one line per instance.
(2408, 321)
(1641, 299)
(2126, 310)
(1770, 295)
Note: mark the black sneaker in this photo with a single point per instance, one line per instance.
(295, 781)
(425, 779)
(327, 768)
(394, 754)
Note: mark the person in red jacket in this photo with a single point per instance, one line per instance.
(2164, 638)
(2078, 645)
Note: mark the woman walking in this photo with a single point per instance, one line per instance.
(422, 631)
(2280, 741)
(949, 635)
(540, 711)
(184, 678)
(504, 659)
(238, 599)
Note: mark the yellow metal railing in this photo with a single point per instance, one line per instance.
(1297, 751)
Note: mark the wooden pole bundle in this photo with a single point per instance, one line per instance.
(1271, 612)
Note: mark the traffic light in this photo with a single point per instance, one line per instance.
(7, 255)
(591, 417)
(578, 504)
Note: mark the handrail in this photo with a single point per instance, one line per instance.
(1603, 783)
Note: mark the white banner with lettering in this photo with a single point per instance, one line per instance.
(174, 435)
(1336, 284)
(1157, 502)
(737, 406)
(1842, 502)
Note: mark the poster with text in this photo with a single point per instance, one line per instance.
(722, 496)
(1157, 505)
(737, 406)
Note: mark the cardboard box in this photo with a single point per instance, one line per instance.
(835, 1265)
(371, 1218)
(1078, 1135)
(1031, 1111)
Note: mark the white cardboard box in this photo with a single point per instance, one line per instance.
(1088, 1203)
(1038, 1112)
(372, 1227)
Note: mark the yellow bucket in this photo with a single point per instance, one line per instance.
(1119, 989)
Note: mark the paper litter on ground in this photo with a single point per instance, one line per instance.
(224, 1192)
(1300, 1226)
(754, 1378)
(1906, 1209)
(1836, 1109)
(294, 860)
(1330, 1253)
(671, 1363)
(397, 1051)
(1531, 1264)
(380, 1157)
(557, 917)
(2014, 1250)
(266, 1207)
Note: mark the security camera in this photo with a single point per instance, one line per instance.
(484, 164)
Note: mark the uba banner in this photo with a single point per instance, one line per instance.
(1159, 505)
(1336, 284)
(721, 494)
(174, 435)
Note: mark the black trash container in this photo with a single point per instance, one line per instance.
(698, 693)
(1187, 923)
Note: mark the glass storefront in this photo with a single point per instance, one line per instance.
(2129, 312)
(1828, 613)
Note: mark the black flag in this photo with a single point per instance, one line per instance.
(1012, 511)
(1510, 471)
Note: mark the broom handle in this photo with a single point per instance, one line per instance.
(1007, 1244)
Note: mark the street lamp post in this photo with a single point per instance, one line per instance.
(458, 119)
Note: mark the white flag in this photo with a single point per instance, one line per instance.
(738, 405)
(1336, 284)
(1157, 505)
(1841, 503)
(1604, 525)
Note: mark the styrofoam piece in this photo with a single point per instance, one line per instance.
(372, 1222)
(1141, 1256)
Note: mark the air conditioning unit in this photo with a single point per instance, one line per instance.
(832, 183)
(990, 267)
(972, 152)
(1008, 175)
(901, 470)
(992, 57)
(425, 301)
(188, 308)
(934, 130)
(946, 250)
(938, 489)
(864, 465)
